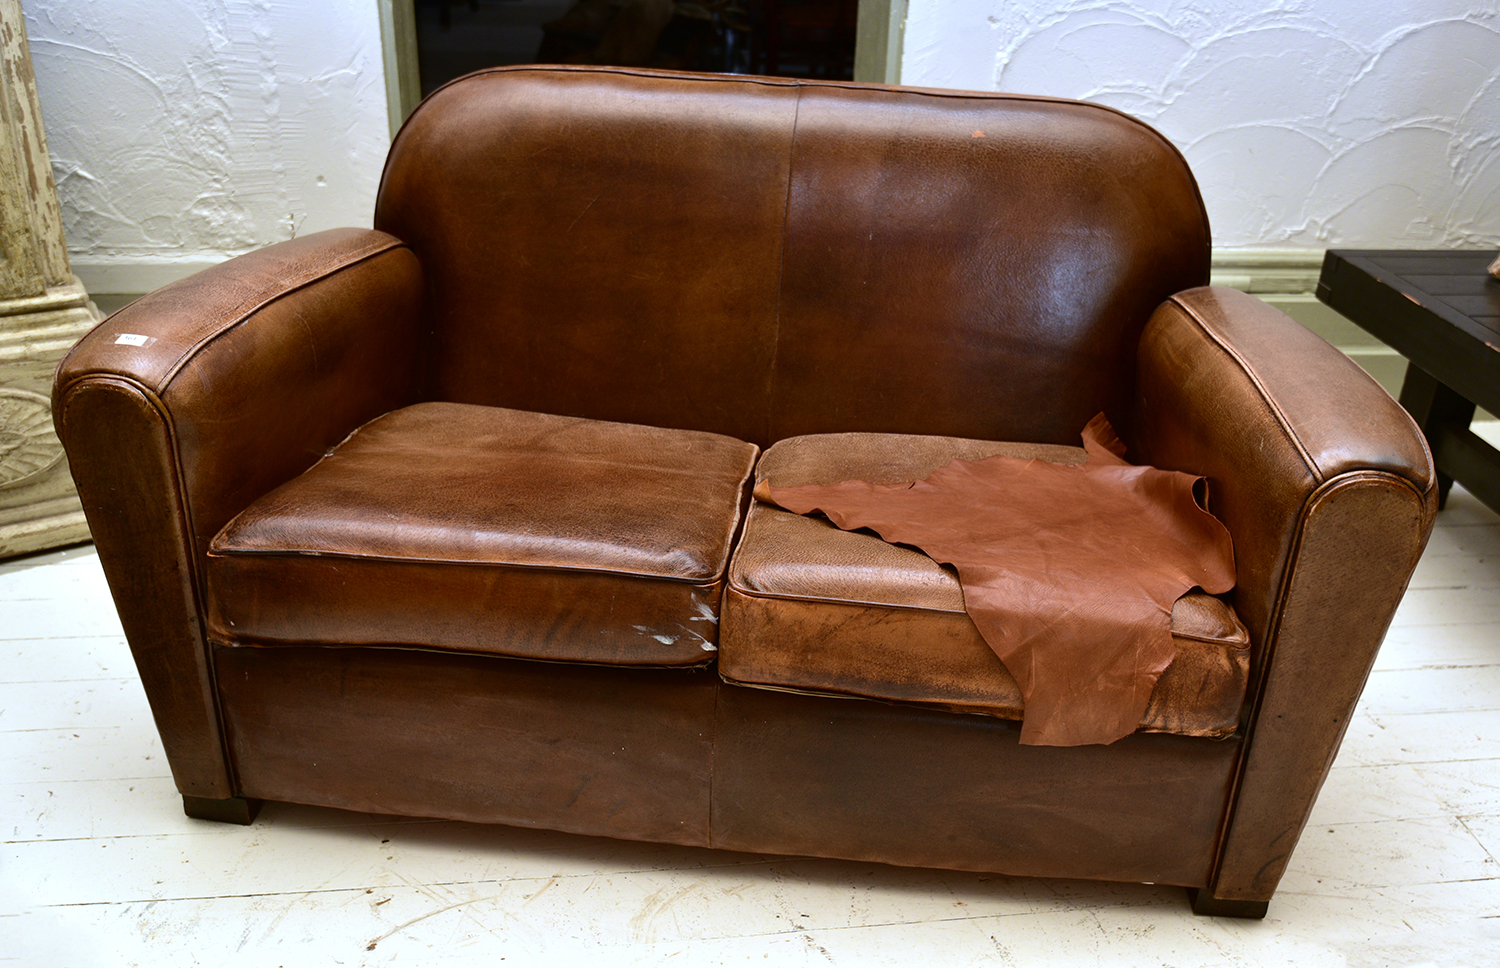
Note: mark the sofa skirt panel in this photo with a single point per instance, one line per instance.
(863, 780)
(563, 746)
(678, 756)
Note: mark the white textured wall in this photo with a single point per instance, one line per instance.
(1309, 123)
(189, 130)
(193, 129)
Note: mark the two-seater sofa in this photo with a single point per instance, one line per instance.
(453, 518)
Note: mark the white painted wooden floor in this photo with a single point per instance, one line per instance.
(100, 867)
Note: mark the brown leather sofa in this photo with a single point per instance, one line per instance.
(532, 587)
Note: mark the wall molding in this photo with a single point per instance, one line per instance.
(1288, 280)
(135, 277)
(880, 39)
(1285, 272)
(398, 50)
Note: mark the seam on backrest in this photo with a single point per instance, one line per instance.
(786, 218)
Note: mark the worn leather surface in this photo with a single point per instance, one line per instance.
(887, 458)
(817, 609)
(1024, 238)
(489, 530)
(1070, 571)
(826, 777)
(563, 746)
(121, 454)
(1233, 389)
(226, 384)
(749, 256)
(759, 258)
(600, 243)
(1329, 493)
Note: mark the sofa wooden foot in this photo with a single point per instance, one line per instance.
(232, 810)
(1208, 906)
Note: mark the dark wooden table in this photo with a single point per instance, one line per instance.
(1440, 310)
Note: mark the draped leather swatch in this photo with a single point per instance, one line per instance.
(1069, 572)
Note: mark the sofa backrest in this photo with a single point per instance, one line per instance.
(764, 257)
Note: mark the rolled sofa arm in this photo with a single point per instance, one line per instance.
(183, 407)
(1329, 493)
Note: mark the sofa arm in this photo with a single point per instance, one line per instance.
(191, 402)
(1329, 492)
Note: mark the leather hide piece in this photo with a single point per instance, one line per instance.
(1069, 572)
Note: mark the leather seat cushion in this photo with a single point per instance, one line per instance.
(811, 608)
(480, 529)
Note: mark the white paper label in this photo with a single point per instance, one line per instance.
(132, 339)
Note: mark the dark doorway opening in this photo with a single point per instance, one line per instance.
(783, 38)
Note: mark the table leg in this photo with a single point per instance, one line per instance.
(1435, 407)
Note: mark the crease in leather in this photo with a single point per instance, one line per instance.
(1069, 572)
